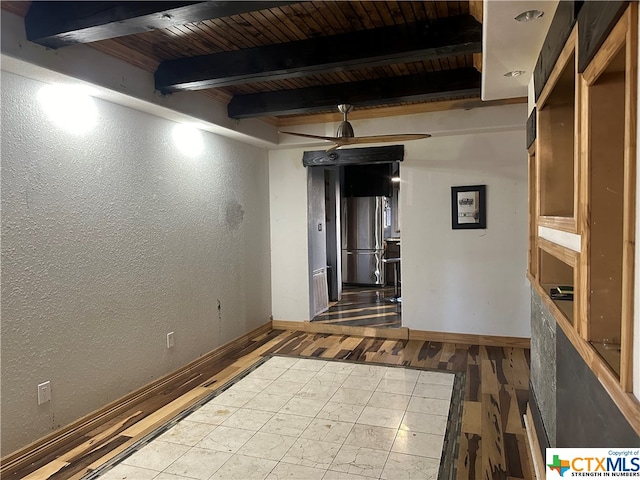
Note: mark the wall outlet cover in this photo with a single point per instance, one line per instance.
(44, 392)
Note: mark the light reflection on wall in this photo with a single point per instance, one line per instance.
(70, 107)
(188, 139)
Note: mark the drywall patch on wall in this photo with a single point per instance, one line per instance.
(110, 240)
(234, 215)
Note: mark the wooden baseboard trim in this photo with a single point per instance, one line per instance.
(46, 445)
(535, 454)
(401, 333)
(470, 339)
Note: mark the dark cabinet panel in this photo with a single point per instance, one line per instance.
(368, 180)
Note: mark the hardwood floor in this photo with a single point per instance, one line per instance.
(364, 307)
(492, 443)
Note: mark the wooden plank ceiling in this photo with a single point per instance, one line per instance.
(281, 60)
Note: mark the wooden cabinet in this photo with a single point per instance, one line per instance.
(582, 198)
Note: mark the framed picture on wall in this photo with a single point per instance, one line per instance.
(468, 207)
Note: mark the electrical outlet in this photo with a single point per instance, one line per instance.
(171, 340)
(44, 392)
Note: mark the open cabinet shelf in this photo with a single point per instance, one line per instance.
(557, 267)
(556, 148)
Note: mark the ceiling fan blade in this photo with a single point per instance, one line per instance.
(368, 139)
(400, 137)
(346, 137)
(308, 135)
(344, 141)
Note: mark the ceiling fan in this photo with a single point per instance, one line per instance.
(345, 135)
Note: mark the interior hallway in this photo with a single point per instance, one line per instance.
(492, 442)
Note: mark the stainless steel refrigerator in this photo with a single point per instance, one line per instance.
(363, 221)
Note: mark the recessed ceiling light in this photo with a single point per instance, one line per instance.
(529, 15)
(514, 73)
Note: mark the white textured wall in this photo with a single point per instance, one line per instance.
(289, 242)
(466, 281)
(110, 240)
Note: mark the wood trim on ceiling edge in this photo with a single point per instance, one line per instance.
(404, 333)
(392, 111)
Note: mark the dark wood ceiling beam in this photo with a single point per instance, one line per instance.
(448, 84)
(459, 35)
(56, 24)
(354, 156)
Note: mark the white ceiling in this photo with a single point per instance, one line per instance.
(509, 45)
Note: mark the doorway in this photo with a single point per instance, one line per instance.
(354, 236)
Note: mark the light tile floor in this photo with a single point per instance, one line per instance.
(294, 418)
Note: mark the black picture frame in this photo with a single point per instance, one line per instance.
(469, 207)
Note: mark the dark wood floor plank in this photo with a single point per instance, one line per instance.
(512, 456)
(473, 354)
(434, 353)
(470, 457)
(473, 380)
(423, 353)
(459, 359)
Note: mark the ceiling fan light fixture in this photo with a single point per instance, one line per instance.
(514, 73)
(345, 130)
(345, 135)
(529, 15)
